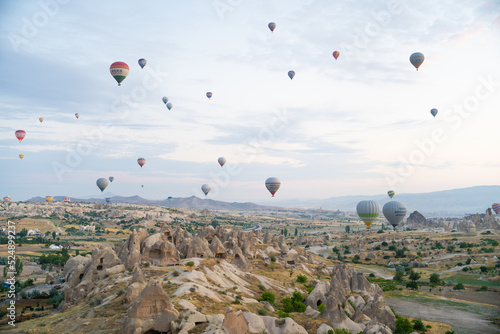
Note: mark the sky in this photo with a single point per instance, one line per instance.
(360, 124)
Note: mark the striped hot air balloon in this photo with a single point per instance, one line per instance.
(391, 193)
(108, 200)
(416, 59)
(273, 184)
(336, 54)
(368, 211)
(209, 95)
(496, 207)
(66, 199)
(6, 199)
(119, 70)
(21, 156)
(141, 161)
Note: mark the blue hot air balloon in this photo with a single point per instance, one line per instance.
(111, 178)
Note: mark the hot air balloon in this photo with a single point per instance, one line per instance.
(164, 99)
(272, 26)
(496, 207)
(336, 54)
(111, 178)
(142, 186)
(20, 134)
(108, 200)
(169, 105)
(170, 199)
(394, 212)
(66, 199)
(49, 198)
(391, 193)
(291, 74)
(77, 115)
(41, 119)
(209, 95)
(434, 112)
(119, 70)
(102, 183)
(6, 199)
(21, 156)
(368, 211)
(206, 189)
(142, 62)
(416, 59)
(273, 184)
(141, 161)
(221, 161)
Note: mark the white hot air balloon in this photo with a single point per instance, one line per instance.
(368, 211)
(394, 212)
(221, 161)
(273, 184)
(206, 189)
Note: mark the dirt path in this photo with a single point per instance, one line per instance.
(464, 320)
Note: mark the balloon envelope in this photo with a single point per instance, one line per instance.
(20, 134)
(273, 184)
(170, 199)
(6, 199)
(206, 189)
(368, 211)
(111, 178)
(49, 198)
(108, 200)
(272, 26)
(169, 105)
(77, 115)
(221, 161)
(416, 59)
(102, 183)
(336, 54)
(66, 199)
(141, 161)
(209, 95)
(394, 212)
(496, 207)
(119, 70)
(434, 112)
(291, 74)
(41, 119)
(164, 99)
(21, 156)
(391, 193)
(142, 62)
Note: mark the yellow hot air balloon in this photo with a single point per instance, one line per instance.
(49, 198)
(21, 156)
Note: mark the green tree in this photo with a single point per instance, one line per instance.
(412, 285)
(403, 326)
(355, 259)
(19, 266)
(5, 271)
(50, 267)
(54, 235)
(301, 278)
(434, 280)
(459, 286)
(285, 232)
(414, 276)
(347, 229)
(268, 297)
(398, 277)
(296, 231)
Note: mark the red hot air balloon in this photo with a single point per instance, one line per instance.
(20, 134)
(141, 161)
(496, 207)
(336, 54)
(273, 184)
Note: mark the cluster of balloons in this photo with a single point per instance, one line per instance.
(368, 212)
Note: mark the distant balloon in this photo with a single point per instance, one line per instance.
(416, 59)
(391, 193)
(170, 199)
(108, 200)
(272, 26)
(291, 74)
(496, 207)
(67, 199)
(206, 189)
(169, 105)
(49, 198)
(77, 115)
(141, 161)
(41, 119)
(209, 95)
(142, 62)
(273, 184)
(336, 54)
(221, 161)
(394, 212)
(20, 134)
(6, 199)
(142, 186)
(21, 156)
(102, 183)
(164, 99)
(434, 112)
(119, 70)
(111, 178)
(368, 211)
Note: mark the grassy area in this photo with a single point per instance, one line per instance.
(471, 280)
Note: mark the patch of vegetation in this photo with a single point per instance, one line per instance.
(268, 297)
(301, 278)
(403, 326)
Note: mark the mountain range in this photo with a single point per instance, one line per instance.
(451, 203)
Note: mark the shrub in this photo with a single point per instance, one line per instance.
(459, 286)
(282, 314)
(261, 311)
(418, 325)
(273, 259)
(483, 288)
(268, 297)
(262, 287)
(176, 273)
(321, 308)
(347, 313)
(190, 264)
(192, 289)
(236, 302)
(403, 326)
(371, 275)
(301, 278)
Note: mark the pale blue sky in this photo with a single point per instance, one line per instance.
(358, 125)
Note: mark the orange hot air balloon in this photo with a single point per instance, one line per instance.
(336, 54)
(20, 134)
(21, 156)
(119, 70)
(141, 161)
